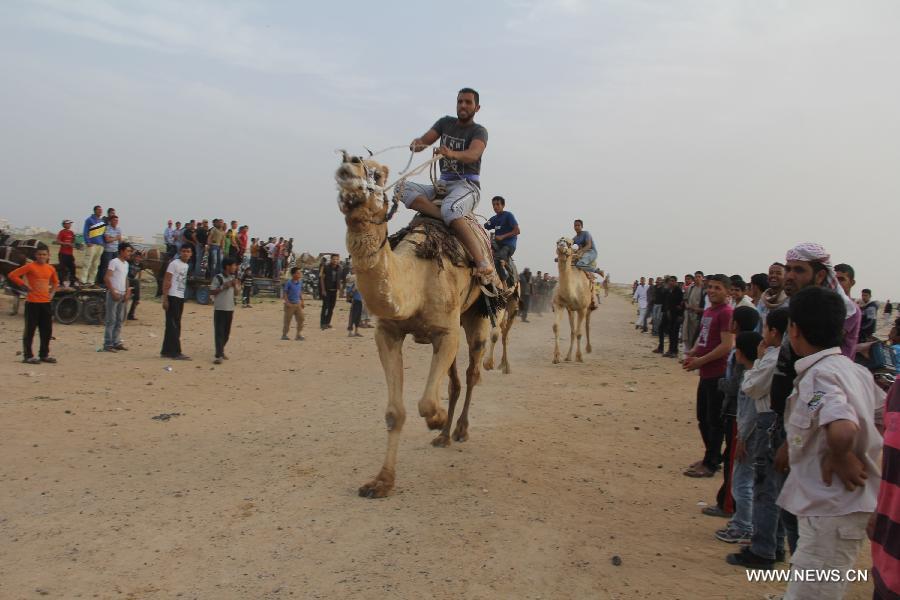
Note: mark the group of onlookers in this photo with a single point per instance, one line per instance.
(210, 243)
(788, 384)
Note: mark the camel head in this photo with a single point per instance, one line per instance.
(564, 249)
(360, 185)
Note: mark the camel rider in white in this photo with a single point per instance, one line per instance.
(462, 142)
(586, 255)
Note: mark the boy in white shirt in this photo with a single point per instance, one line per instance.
(832, 443)
(174, 284)
(117, 293)
(767, 541)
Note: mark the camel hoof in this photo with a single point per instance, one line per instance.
(568, 359)
(579, 359)
(460, 436)
(441, 441)
(555, 360)
(488, 365)
(588, 349)
(377, 488)
(505, 369)
(437, 420)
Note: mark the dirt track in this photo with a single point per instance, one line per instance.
(251, 491)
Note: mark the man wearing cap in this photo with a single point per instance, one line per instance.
(94, 228)
(66, 240)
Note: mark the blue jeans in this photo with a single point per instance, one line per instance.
(768, 529)
(742, 491)
(214, 267)
(587, 260)
(656, 315)
(115, 315)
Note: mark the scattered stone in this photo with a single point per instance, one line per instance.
(616, 560)
(165, 416)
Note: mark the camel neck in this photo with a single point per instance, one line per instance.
(380, 273)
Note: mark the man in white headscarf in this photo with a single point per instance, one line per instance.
(810, 264)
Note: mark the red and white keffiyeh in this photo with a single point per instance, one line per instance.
(812, 252)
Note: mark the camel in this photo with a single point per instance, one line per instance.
(505, 323)
(573, 294)
(428, 298)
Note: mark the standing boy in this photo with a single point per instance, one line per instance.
(40, 281)
(767, 542)
(293, 304)
(115, 280)
(247, 283)
(66, 240)
(174, 284)
(832, 443)
(222, 289)
(709, 355)
(135, 266)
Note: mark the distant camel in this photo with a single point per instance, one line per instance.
(573, 294)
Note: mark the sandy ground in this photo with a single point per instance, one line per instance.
(251, 491)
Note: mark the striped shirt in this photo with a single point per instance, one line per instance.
(886, 538)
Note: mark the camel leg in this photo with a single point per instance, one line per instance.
(445, 347)
(556, 316)
(489, 357)
(476, 335)
(390, 350)
(571, 334)
(453, 390)
(580, 316)
(504, 361)
(587, 331)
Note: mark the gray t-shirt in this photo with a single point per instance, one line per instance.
(581, 240)
(225, 298)
(457, 137)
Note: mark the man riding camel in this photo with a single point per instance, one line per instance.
(462, 142)
(586, 257)
(506, 233)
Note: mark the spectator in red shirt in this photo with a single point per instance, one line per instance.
(66, 240)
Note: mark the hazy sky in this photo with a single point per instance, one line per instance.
(707, 134)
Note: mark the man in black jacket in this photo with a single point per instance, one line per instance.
(672, 299)
(331, 279)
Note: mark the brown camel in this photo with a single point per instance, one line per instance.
(573, 294)
(428, 298)
(505, 322)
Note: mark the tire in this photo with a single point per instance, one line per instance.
(93, 311)
(202, 294)
(66, 310)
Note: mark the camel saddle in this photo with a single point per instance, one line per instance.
(439, 244)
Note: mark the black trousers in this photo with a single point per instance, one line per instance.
(135, 285)
(724, 498)
(709, 420)
(222, 329)
(38, 315)
(104, 263)
(67, 262)
(525, 304)
(355, 314)
(328, 302)
(171, 345)
(670, 327)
